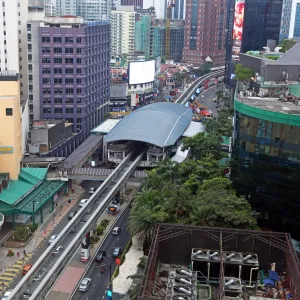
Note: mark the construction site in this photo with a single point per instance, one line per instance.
(189, 262)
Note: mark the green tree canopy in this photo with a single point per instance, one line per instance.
(222, 124)
(201, 145)
(243, 73)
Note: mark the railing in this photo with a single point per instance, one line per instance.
(190, 91)
(23, 284)
(58, 267)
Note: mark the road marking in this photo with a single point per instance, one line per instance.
(94, 284)
(102, 296)
(99, 274)
(87, 298)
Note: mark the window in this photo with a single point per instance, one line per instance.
(78, 71)
(46, 60)
(57, 60)
(69, 71)
(57, 39)
(57, 70)
(46, 71)
(69, 80)
(69, 60)
(29, 57)
(57, 50)
(78, 81)
(68, 50)
(78, 60)
(69, 110)
(29, 47)
(45, 50)
(57, 101)
(58, 80)
(69, 101)
(58, 110)
(9, 111)
(69, 40)
(29, 37)
(46, 80)
(78, 50)
(78, 40)
(28, 27)
(45, 39)
(69, 91)
(79, 91)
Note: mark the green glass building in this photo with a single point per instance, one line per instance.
(143, 35)
(266, 153)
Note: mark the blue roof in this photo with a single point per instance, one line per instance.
(160, 124)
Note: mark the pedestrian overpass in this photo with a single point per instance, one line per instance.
(97, 174)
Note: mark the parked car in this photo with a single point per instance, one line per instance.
(100, 255)
(39, 276)
(52, 239)
(117, 252)
(92, 190)
(116, 231)
(72, 215)
(26, 294)
(83, 202)
(85, 218)
(58, 249)
(84, 285)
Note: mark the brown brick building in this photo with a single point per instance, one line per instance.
(205, 28)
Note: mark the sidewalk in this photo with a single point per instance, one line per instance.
(10, 266)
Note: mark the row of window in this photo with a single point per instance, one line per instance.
(60, 70)
(67, 40)
(59, 60)
(61, 80)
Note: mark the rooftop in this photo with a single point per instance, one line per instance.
(106, 126)
(160, 124)
(28, 179)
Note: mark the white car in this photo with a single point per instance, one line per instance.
(92, 190)
(84, 285)
(52, 239)
(6, 295)
(83, 202)
(58, 249)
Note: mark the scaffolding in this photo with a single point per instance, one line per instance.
(143, 35)
(173, 245)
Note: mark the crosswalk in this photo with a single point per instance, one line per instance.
(8, 275)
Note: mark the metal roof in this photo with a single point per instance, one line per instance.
(160, 124)
(79, 155)
(292, 54)
(106, 126)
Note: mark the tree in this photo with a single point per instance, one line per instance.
(217, 183)
(243, 73)
(222, 124)
(200, 145)
(218, 207)
(287, 44)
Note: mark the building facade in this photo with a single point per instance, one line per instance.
(138, 3)
(265, 156)
(204, 34)
(122, 24)
(143, 35)
(251, 24)
(176, 39)
(10, 124)
(74, 71)
(178, 12)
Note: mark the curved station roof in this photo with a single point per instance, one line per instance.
(160, 124)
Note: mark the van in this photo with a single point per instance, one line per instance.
(26, 268)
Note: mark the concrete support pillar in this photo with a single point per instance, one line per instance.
(33, 218)
(42, 216)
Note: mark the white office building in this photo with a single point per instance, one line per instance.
(122, 36)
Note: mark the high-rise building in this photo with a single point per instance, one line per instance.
(122, 31)
(176, 39)
(73, 71)
(159, 5)
(50, 7)
(204, 36)
(266, 147)
(65, 7)
(252, 23)
(138, 3)
(10, 124)
(13, 54)
(178, 11)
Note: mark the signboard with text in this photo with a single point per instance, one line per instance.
(6, 149)
(238, 24)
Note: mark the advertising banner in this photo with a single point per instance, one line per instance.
(238, 23)
(6, 149)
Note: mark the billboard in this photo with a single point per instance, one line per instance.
(141, 72)
(238, 23)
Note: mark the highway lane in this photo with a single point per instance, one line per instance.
(100, 281)
(57, 230)
(207, 99)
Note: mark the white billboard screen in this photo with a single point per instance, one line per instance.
(141, 72)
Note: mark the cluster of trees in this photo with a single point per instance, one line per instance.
(243, 73)
(193, 192)
(287, 44)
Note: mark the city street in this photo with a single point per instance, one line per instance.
(42, 247)
(100, 281)
(207, 100)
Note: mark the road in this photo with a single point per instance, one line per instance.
(207, 100)
(43, 246)
(100, 281)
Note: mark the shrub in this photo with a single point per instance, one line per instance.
(33, 227)
(100, 230)
(94, 239)
(10, 253)
(104, 223)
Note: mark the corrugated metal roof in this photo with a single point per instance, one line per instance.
(160, 124)
(292, 54)
(79, 154)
